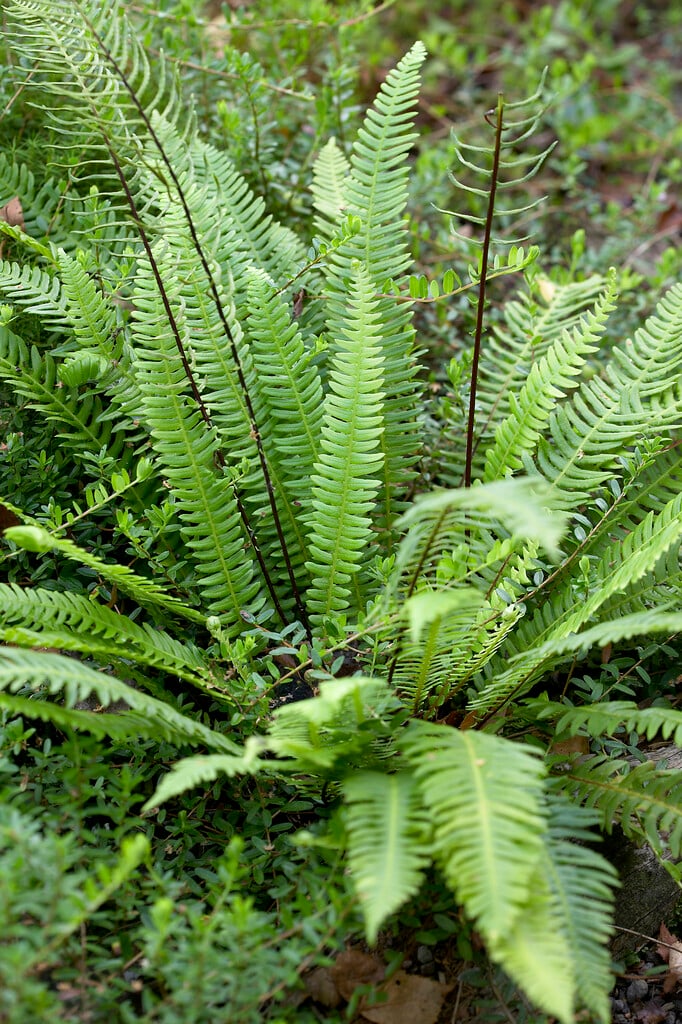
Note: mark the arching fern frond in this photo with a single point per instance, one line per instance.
(145, 591)
(639, 396)
(550, 377)
(609, 718)
(54, 674)
(645, 801)
(196, 771)
(73, 622)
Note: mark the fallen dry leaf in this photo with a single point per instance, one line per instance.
(321, 987)
(352, 968)
(670, 950)
(572, 745)
(651, 1013)
(12, 213)
(410, 999)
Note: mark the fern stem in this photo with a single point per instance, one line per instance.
(213, 288)
(480, 310)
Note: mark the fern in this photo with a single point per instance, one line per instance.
(645, 801)
(485, 798)
(346, 477)
(387, 848)
(54, 674)
(258, 397)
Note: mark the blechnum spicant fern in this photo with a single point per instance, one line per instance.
(254, 400)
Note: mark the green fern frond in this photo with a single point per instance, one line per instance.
(330, 173)
(79, 418)
(186, 449)
(35, 291)
(345, 480)
(519, 508)
(535, 952)
(527, 665)
(54, 674)
(45, 618)
(531, 324)
(609, 718)
(582, 883)
(387, 835)
(347, 725)
(376, 193)
(145, 591)
(289, 382)
(645, 801)
(549, 379)
(197, 771)
(485, 797)
(637, 397)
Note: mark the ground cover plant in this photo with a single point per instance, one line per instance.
(255, 558)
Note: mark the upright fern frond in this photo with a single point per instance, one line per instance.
(376, 192)
(346, 477)
(186, 450)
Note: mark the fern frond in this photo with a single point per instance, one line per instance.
(387, 836)
(520, 508)
(376, 192)
(529, 327)
(484, 794)
(347, 725)
(526, 666)
(535, 952)
(548, 381)
(639, 396)
(186, 450)
(45, 618)
(330, 173)
(54, 674)
(645, 801)
(288, 381)
(145, 591)
(582, 883)
(345, 480)
(611, 717)
(196, 771)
